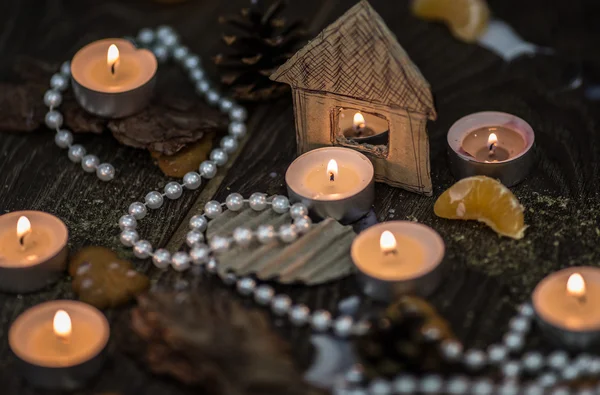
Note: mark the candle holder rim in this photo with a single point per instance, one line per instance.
(550, 320)
(439, 259)
(62, 242)
(331, 198)
(61, 303)
(457, 126)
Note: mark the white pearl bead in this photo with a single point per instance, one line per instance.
(405, 384)
(212, 97)
(238, 113)
(90, 163)
(380, 386)
(169, 40)
(191, 61)
(59, 82)
(200, 254)
(246, 286)
(211, 265)
(127, 222)
(280, 304)
(519, 324)
(303, 224)
(287, 233)
(192, 180)
(514, 341)
(180, 261)
(526, 310)
(343, 326)
(145, 36)
(483, 386)
(202, 87)
(265, 233)
(53, 119)
(497, 353)
(237, 129)
(431, 384)
(129, 237)
(533, 361)
(474, 359)
(298, 210)
(164, 30)
(138, 210)
(321, 320)
(161, 52)
(52, 98)
(196, 75)
(229, 144)
(264, 294)
(142, 249)
(219, 244)
(451, 349)
(458, 385)
(558, 360)
(199, 223)
(212, 209)
(154, 200)
(63, 138)
(161, 258)
(230, 278)
(511, 369)
(225, 104)
(105, 172)
(299, 315)
(219, 156)
(234, 202)
(173, 190)
(65, 68)
(208, 169)
(76, 153)
(180, 52)
(193, 237)
(258, 201)
(280, 204)
(242, 236)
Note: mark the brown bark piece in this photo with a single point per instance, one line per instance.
(186, 160)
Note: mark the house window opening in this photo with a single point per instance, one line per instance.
(357, 127)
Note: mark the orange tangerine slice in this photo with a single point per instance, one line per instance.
(466, 19)
(486, 200)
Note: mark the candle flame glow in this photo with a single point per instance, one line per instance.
(23, 226)
(359, 121)
(387, 242)
(112, 58)
(62, 325)
(576, 285)
(332, 170)
(492, 139)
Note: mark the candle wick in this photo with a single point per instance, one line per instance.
(112, 68)
(492, 149)
(390, 252)
(22, 241)
(331, 176)
(582, 299)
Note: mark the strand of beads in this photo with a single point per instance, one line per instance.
(206, 254)
(164, 42)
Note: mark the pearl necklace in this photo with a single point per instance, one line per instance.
(164, 43)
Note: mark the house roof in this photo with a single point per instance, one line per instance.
(358, 56)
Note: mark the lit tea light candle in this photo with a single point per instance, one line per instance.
(566, 308)
(364, 128)
(492, 144)
(112, 78)
(59, 344)
(33, 250)
(398, 257)
(333, 182)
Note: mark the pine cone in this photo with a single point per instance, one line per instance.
(209, 341)
(406, 338)
(263, 42)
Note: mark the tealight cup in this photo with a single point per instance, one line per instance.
(493, 144)
(112, 78)
(565, 303)
(398, 257)
(59, 344)
(332, 182)
(33, 250)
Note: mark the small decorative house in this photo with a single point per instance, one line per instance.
(354, 76)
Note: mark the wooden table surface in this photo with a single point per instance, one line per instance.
(488, 275)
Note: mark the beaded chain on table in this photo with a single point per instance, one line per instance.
(164, 42)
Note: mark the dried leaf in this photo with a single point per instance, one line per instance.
(186, 160)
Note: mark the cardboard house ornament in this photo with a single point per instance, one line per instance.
(356, 66)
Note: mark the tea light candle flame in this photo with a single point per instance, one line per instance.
(23, 229)
(492, 142)
(358, 122)
(112, 58)
(332, 170)
(576, 286)
(387, 243)
(62, 325)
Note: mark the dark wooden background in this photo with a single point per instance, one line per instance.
(488, 275)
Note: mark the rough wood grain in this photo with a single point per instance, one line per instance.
(487, 275)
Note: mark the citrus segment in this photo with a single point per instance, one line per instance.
(466, 19)
(486, 200)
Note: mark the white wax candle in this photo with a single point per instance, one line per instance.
(371, 124)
